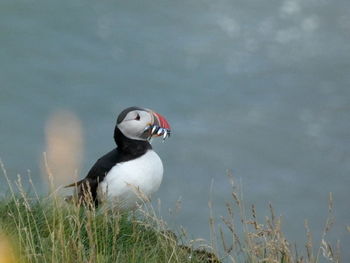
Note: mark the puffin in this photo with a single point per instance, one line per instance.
(129, 174)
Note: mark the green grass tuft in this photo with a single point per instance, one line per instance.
(50, 230)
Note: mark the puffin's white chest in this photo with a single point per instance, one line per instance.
(129, 182)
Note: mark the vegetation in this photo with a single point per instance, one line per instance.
(248, 240)
(48, 229)
(52, 231)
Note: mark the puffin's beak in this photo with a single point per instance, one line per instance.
(159, 126)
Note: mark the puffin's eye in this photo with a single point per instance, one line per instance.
(137, 117)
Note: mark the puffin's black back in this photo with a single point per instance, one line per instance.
(127, 150)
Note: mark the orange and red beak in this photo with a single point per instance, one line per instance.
(161, 121)
(158, 127)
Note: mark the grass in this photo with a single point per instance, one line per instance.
(48, 229)
(53, 231)
(243, 238)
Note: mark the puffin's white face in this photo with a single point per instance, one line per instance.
(141, 124)
(134, 124)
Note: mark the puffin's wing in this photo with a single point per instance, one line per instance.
(97, 173)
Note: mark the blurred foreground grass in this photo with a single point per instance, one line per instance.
(48, 229)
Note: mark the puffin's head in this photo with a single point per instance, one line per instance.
(142, 124)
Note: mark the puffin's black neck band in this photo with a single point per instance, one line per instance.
(129, 146)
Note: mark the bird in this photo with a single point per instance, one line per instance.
(129, 174)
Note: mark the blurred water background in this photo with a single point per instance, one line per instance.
(259, 87)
